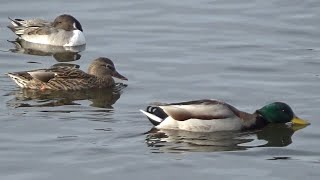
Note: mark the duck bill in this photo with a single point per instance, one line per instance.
(119, 76)
(298, 121)
(298, 127)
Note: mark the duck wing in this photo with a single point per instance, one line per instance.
(36, 22)
(200, 109)
(64, 72)
(71, 73)
(20, 26)
(45, 30)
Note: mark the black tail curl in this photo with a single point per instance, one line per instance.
(157, 111)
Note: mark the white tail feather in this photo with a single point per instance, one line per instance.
(20, 82)
(151, 116)
(14, 24)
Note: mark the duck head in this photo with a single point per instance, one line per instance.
(279, 112)
(67, 22)
(102, 67)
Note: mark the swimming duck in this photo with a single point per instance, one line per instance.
(99, 75)
(65, 30)
(213, 115)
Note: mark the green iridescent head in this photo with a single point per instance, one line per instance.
(279, 112)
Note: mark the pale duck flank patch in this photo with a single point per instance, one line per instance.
(60, 38)
(77, 39)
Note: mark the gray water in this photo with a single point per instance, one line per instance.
(247, 53)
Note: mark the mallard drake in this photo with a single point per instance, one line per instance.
(65, 30)
(99, 75)
(213, 115)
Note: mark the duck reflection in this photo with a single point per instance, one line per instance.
(184, 141)
(175, 141)
(60, 53)
(278, 135)
(101, 98)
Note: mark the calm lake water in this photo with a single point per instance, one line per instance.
(247, 53)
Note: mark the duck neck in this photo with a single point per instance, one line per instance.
(98, 71)
(106, 81)
(257, 123)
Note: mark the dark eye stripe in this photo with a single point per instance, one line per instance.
(111, 67)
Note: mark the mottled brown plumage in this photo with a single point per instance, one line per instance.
(99, 75)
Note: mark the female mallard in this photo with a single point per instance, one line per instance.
(99, 75)
(65, 30)
(212, 115)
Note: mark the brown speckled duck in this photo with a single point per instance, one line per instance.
(100, 73)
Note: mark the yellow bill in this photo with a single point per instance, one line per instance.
(299, 121)
(298, 127)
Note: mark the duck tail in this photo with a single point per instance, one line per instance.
(16, 26)
(22, 82)
(16, 22)
(155, 114)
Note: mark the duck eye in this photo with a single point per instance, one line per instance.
(110, 67)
